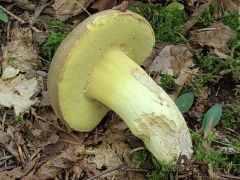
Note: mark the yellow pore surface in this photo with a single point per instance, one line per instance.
(81, 50)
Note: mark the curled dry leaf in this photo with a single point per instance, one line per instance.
(56, 164)
(20, 52)
(217, 36)
(202, 102)
(12, 140)
(105, 156)
(68, 8)
(227, 5)
(101, 5)
(9, 72)
(113, 152)
(6, 140)
(16, 93)
(171, 60)
(19, 172)
(122, 7)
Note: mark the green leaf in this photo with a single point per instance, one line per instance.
(173, 6)
(212, 117)
(185, 101)
(3, 16)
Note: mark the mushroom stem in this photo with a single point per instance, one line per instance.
(119, 83)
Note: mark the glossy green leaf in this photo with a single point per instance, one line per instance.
(185, 101)
(173, 6)
(3, 16)
(212, 117)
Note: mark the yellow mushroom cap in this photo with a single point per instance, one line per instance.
(81, 50)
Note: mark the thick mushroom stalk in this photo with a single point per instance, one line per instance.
(96, 68)
(120, 84)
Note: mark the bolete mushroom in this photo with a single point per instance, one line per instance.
(96, 68)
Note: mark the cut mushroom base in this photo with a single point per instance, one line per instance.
(96, 69)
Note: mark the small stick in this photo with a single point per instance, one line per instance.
(229, 176)
(18, 18)
(120, 167)
(3, 121)
(11, 14)
(136, 149)
(106, 172)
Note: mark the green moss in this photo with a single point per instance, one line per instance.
(230, 116)
(10, 59)
(209, 71)
(168, 82)
(57, 32)
(235, 46)
(167, 22)
(234, 159)
(202, 154)
(51, 44)
(206, 19)
(161, 171)
(197, 83)
(18, 118)
(231, 19)
(209, 156)
(212, 64)
(140, 157)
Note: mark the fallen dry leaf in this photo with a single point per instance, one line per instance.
(57, 163)
(122, 7)
(19, 172)
(16, 93)
(9, 72)
(171, 60)
(68, 8)
(227, 5)
(101, 5)
(217, 36)
(20, 52)
(203, 101)
(11, 140)
(105, 156)
(6, 140)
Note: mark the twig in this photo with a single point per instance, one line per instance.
(13, 15)
(120, 168)
(7, 168)
(229, 176)
(136, 149)
(106, 172)
(6, 157)
(18, 18)
(228, 145)
(79, 4)
(3, 121)
(136, 170)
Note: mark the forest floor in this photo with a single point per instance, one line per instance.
(196, 60)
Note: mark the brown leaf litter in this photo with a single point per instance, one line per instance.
(65, 9)
(20, 52)
(72, 156)
(217, 36)
(101, 5)
(17, 92)
(173, 59)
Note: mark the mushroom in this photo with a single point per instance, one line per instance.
(96, 68)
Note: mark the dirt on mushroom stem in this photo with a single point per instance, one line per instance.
(120, 84)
